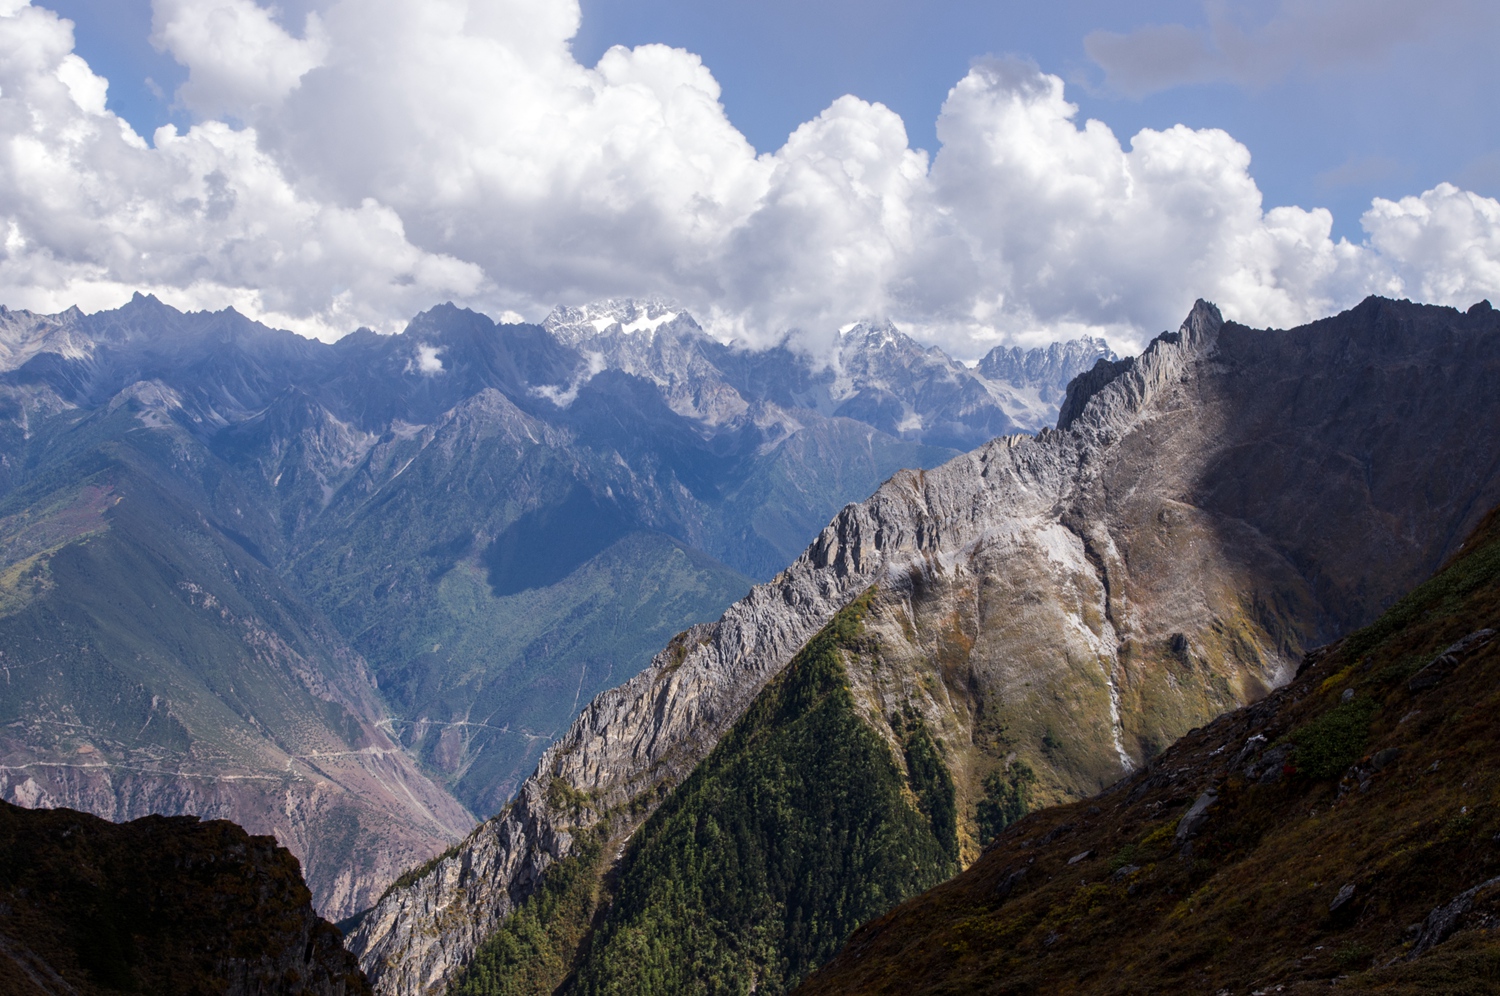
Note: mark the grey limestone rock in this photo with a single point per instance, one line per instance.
(1196, 814)
(1443, 664)
(1444, 920)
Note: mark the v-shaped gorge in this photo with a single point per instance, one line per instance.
(347, 593)
(1065, 605)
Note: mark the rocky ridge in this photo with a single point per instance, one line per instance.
(1047, 370)
(1087, 595)
(650, 731)
(874, 374)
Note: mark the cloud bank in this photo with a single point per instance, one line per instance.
(387, 155)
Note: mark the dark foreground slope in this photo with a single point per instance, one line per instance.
(163, 905)
(1345, 828)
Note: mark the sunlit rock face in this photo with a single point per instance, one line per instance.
(1201, 515)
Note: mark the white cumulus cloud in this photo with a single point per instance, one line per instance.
(1066, 228)
(393, 155)
(205, 218)
(1443, 245)
(238, 58)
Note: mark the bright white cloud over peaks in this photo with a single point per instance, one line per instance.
(204, 219)
(397, 154)
(1443, 245)
(834, 234)
(238, 58)
(492, 142)
(1065, 227)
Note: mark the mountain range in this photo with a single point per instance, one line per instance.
(347, 593)
(1025, 625)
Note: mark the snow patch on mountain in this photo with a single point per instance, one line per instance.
(630, 316)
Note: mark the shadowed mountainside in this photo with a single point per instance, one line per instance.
(163, 905)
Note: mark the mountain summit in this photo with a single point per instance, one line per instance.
(626, 316)
(877, 375)
(1025, 624)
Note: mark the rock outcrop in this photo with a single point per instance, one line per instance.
(1047, 370)
(164, 905)
(1203, 514)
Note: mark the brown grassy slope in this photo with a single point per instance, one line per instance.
(163, 905)
(1115, 895)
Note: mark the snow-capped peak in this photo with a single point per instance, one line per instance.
(627, 316)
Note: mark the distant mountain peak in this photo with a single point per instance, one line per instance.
(1048, 369)
(628, 316)
(24, 334)
(865, 338)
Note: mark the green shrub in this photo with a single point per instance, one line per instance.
(1351, 957)
(1328, 744)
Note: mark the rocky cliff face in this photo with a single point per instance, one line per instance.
(1341, 833)
(165, 905)
(1047, 370)
(1077, 600)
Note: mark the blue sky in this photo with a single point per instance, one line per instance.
(343, 161)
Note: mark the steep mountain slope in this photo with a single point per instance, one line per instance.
(796, 828)
(152, 662)
(164, 905)
(1072, 602)
(1345, 828)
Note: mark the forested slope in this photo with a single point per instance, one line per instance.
(800, 825)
